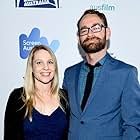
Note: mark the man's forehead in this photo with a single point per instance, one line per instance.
(90, 19)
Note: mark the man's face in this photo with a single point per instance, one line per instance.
(92, 34)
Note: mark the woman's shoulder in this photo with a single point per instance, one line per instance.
(64, 100)
(15, 96)
(15, 105)
(63, 95)
(16, 93)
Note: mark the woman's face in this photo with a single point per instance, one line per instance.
(43, 67)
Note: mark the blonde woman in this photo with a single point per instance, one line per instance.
(38, 110)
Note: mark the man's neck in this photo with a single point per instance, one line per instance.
(93, 58)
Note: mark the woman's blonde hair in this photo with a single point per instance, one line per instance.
(29, 83)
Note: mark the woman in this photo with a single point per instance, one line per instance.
(37, 111)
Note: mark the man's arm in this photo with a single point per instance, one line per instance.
(130, 106)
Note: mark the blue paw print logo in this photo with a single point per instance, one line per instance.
(27, 43)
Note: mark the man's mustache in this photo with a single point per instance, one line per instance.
(91, 38)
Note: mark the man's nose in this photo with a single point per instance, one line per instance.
(90, 32)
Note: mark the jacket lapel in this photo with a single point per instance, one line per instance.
(101, 79)
(75, 98)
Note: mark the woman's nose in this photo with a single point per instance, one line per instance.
(46, 66)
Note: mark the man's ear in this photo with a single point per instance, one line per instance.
(78, 38)
(108, 33)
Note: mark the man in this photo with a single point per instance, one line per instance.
(112, 109)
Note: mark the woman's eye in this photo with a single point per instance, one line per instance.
(38, 62)
(50, 62)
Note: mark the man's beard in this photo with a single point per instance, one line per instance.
(93, 45)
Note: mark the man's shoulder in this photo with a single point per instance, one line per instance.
(75, 66)
(125, 64)
(121, 63)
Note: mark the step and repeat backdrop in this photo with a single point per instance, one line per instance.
(25, 23)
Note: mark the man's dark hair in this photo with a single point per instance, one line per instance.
(95, 12)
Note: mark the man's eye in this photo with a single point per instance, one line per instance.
(96, 27)
(84, 30)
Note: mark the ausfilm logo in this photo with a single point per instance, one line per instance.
(104, 7)
(37, 3)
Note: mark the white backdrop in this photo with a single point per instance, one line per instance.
(60, 24)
